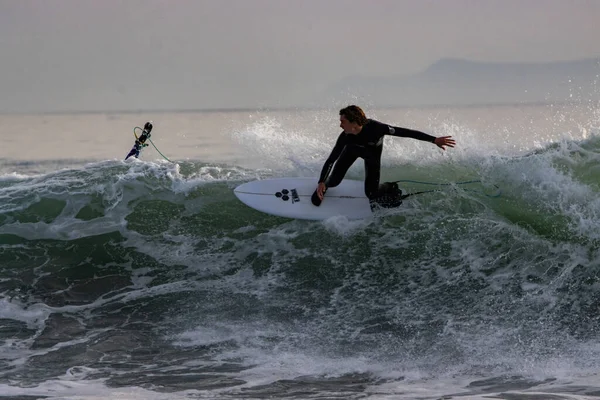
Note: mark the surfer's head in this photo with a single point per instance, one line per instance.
(352, 119)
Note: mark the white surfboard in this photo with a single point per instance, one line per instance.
(290, 197)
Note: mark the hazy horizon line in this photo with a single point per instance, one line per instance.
(296, 108)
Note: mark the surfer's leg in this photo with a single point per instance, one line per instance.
(135, 151)
(385, 195)
(372, 172)
(131, 153)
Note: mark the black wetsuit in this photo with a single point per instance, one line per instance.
(367, 145)
(139, 144)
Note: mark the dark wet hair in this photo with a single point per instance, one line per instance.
(354, 114)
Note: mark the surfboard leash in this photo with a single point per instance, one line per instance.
(163, 156)
(446, 184)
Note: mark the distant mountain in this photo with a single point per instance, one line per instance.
(462, 82)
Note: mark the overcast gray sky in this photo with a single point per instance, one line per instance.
(192, 54)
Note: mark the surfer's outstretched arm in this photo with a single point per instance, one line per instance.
(441, 141)
(444, 141)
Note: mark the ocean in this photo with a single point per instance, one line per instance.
(148, 279)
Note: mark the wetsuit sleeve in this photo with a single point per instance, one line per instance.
(335, 154)
(404, 132)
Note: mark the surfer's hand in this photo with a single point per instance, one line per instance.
(321, 190)
(444, 141)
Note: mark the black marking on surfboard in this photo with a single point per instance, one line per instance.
(295, 197)
(284, 195)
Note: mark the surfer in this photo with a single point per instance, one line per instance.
(140, 142)
(363, 137)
